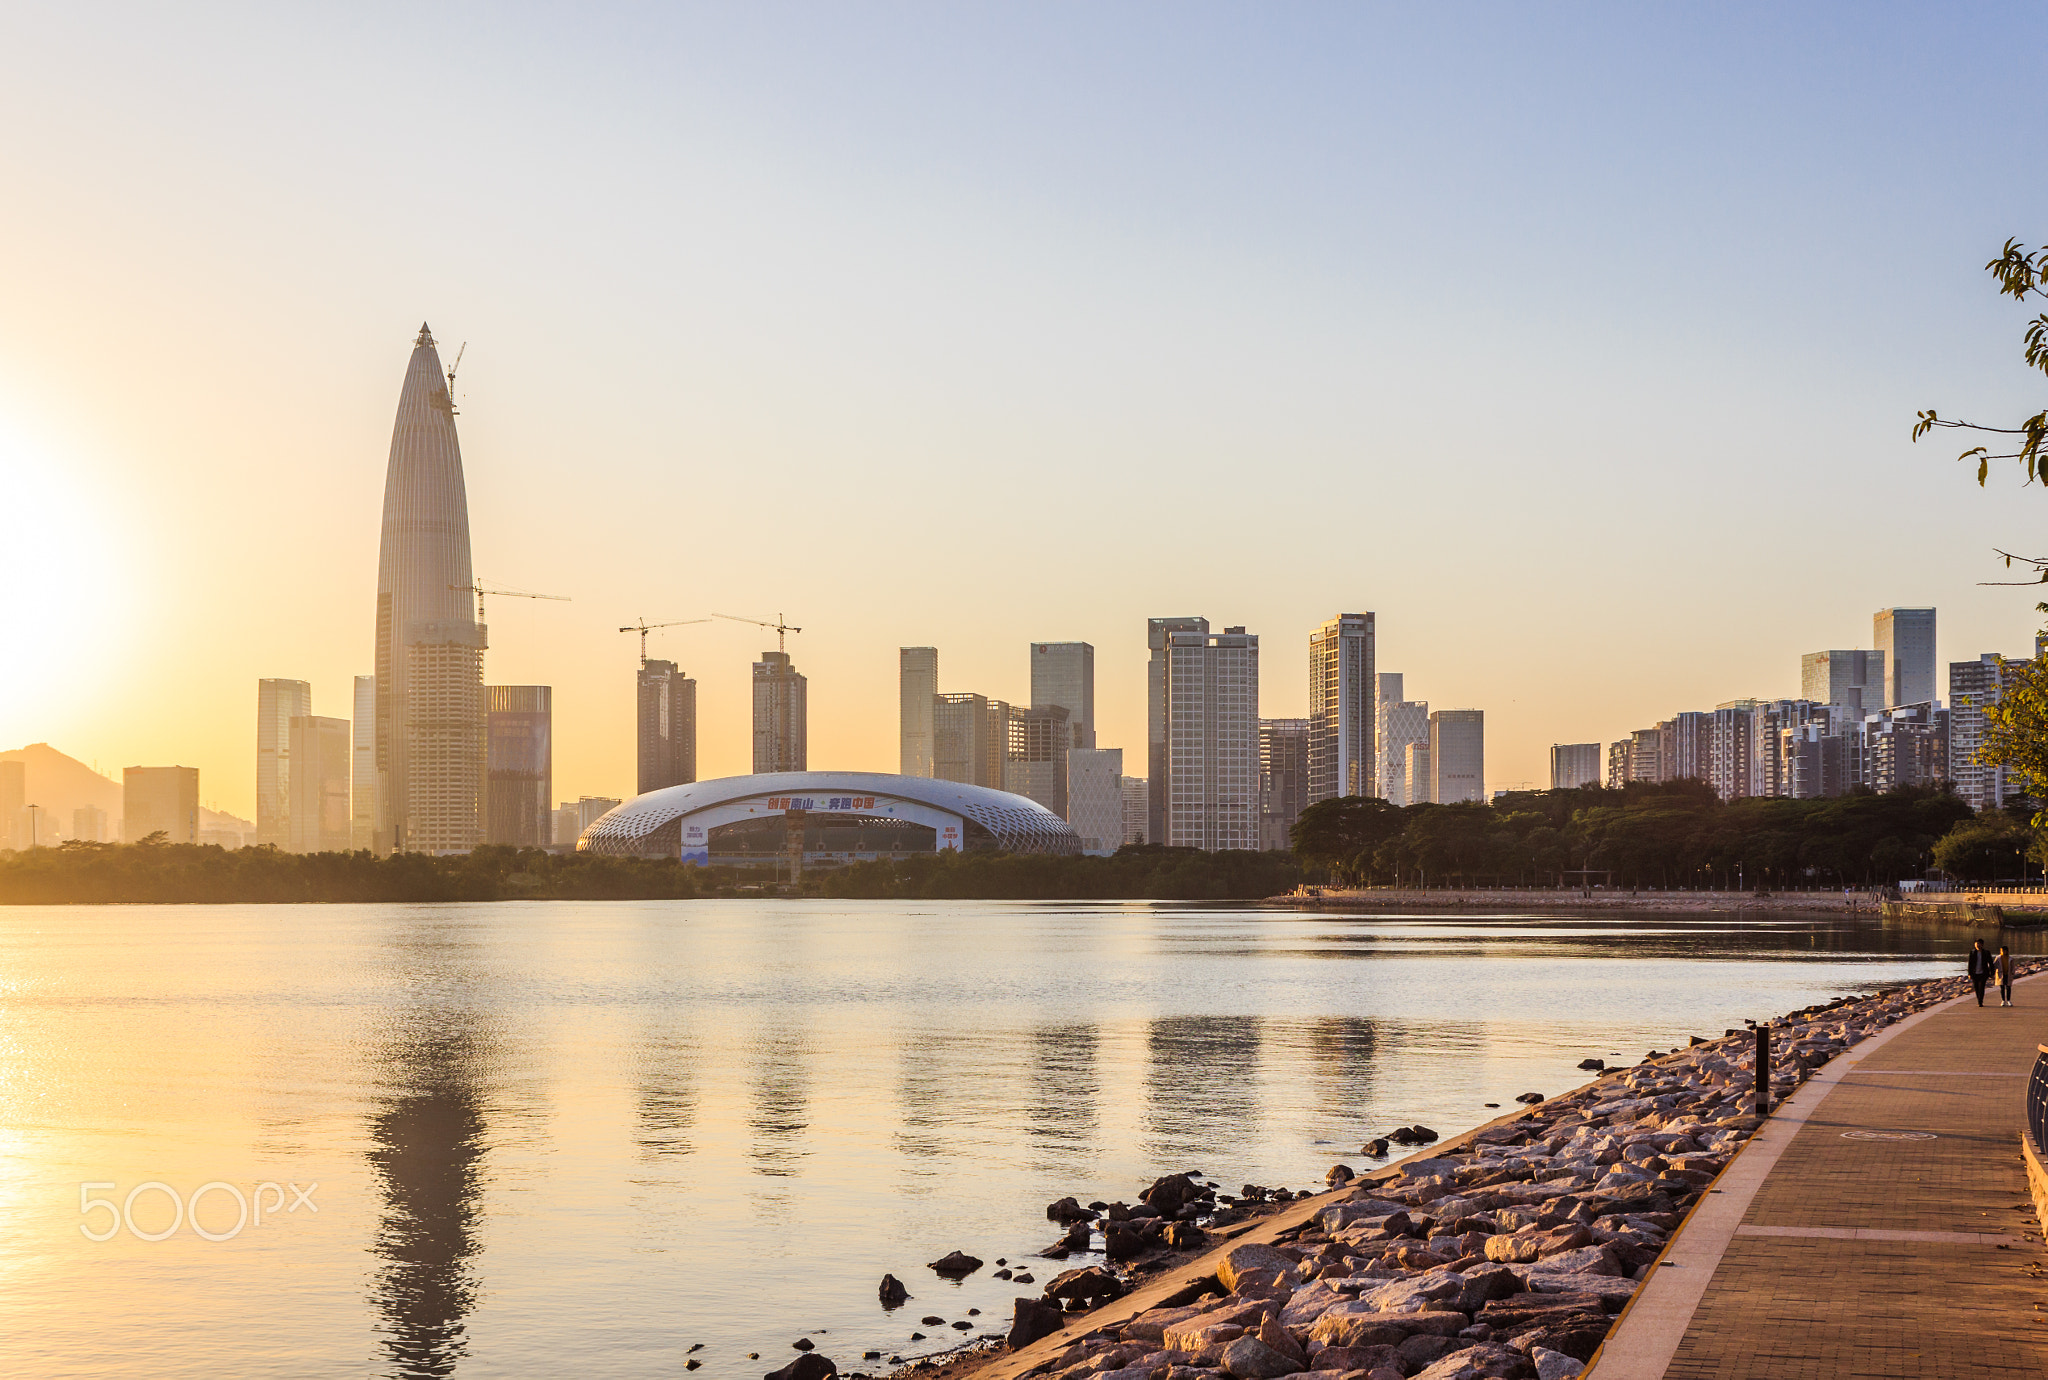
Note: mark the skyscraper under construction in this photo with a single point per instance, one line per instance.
(430, 690)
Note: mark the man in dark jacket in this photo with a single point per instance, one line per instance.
(1980, 968)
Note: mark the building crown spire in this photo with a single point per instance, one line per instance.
(425, 337)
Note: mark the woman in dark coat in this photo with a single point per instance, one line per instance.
(2003, 965)
(1980, 968)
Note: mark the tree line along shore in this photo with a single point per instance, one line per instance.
(1673, 835)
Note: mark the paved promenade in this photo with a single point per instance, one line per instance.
(1878, 1225)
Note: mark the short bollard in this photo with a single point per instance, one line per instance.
(1763, 1070)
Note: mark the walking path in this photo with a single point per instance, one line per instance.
(1877, 1225)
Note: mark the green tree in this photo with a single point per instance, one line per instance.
(1336, 833)
(2022, 274)
(1992, 845)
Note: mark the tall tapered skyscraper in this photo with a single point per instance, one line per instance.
(430, 647)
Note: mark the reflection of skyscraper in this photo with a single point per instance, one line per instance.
(430, 647)
(428, 1151)
(520, 732)
(668, 727)
(278, 702)
(780, 715)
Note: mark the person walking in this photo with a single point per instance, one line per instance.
(1980, 968)
(2003, 966)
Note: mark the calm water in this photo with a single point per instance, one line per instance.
(580, 1138)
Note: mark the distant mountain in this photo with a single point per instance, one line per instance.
(61, 783)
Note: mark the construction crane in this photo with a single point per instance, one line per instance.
(779, 625)
(480, 589)
(453, 411)
(643, 627)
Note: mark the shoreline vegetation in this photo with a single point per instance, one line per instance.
(1585, 848)
(1508, 1251)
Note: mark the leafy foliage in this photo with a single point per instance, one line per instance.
(1994, 845)
(1674, 834)
(155, 872)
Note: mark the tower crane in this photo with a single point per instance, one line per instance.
(480, 589)
(453, 412)
(643, 627)
(779, 625)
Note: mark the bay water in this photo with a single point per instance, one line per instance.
(608, 1139)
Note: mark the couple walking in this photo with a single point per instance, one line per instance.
(1984, 966)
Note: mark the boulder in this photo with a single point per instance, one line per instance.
(1532, 1098)
(1422, 1349)
(1340, 1175)
(956, 1263)
(1120, 1242)
(1347, 1358)
(1593, 1065)
(1184, 1236)
(1252, 1257)
(1168, 1195)
(1067, 1212)
(1376, 1148)
(1350, 1326)
(1151, 1326)
(1091, 1285)
(1274, 1335)
(1248, 1358)
(1310, 1302)
(1513, 1250)
(1484, 1361)
(809, 1366)
(1520, 1312)
(1554, 1365)
(892, 1291)
(1586, 1260)
(1201, 1343)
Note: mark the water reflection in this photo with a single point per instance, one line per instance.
(1342, 1056)
(1201, 1082)
(665, 1095)
(427, 1153)
(1065, 1087)
(780, 1097)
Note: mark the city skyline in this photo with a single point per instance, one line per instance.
(896, 297)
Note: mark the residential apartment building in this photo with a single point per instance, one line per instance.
(1285, 756)
(1342, 759)
(1035, 762)
(1973, 687)
(1157, 632)
(162, 800)
(1852, 679)
(665, 743)
(1418, 785)
(971, 738)
(1457, 755)
(88, 823)
(1210, 685)
(781, 715)
(362, 771)
(1137, 806)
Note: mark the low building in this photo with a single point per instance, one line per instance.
(1095, 797)
(1573, 765)
(1286, 765)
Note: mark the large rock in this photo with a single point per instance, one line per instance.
(1422, 1350)
(1170, 1194)
(1554, 1365)
(809, 1366)
(1586, 1260)
(1417, 1293)
(1033, 1318)
(956, 1263)
(1252, 1257)
(1523, 1311)
(1345, 1358)
(1151, 1326)
(1120, 1242)
(1354, 1325)
(1276, 1336)
(1201, 1342)
(1067, 1212)
(1248, 1358)
(1481, 1362)
(1310, 1302)
(1513, 1250)
(1091, 1285)
(892, 1292)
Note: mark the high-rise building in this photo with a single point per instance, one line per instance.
(519, 739)
(278, 702)
(667, 730)
(1904, 638)
(1342, 760)
(1285, 756)
(1095, 797)
(1063, 673)
(1574, 764)
(1691, 753)
(320, 761)
(13, 801)
(1457, 755)
(430, 646)
(1401, 722)
(1417, 781)
(970, 738)
(917, 678)
(362, 777)
(1157, 631)
(160, 800)
(1731, 749)
(1211, 694)
(780, 715)
(89, 824)
(1905, 746)
(1035, 762)
(1973, 687)
(1137, 806)
(1854, 679)
(579, 814)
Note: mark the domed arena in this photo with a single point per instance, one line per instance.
(834, 816)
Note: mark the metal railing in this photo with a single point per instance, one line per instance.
(2037, 1101)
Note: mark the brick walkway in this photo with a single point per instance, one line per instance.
(1880, 1226)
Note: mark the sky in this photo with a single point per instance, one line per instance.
(1581, 344)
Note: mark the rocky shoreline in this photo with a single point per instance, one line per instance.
(1506, 1253)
